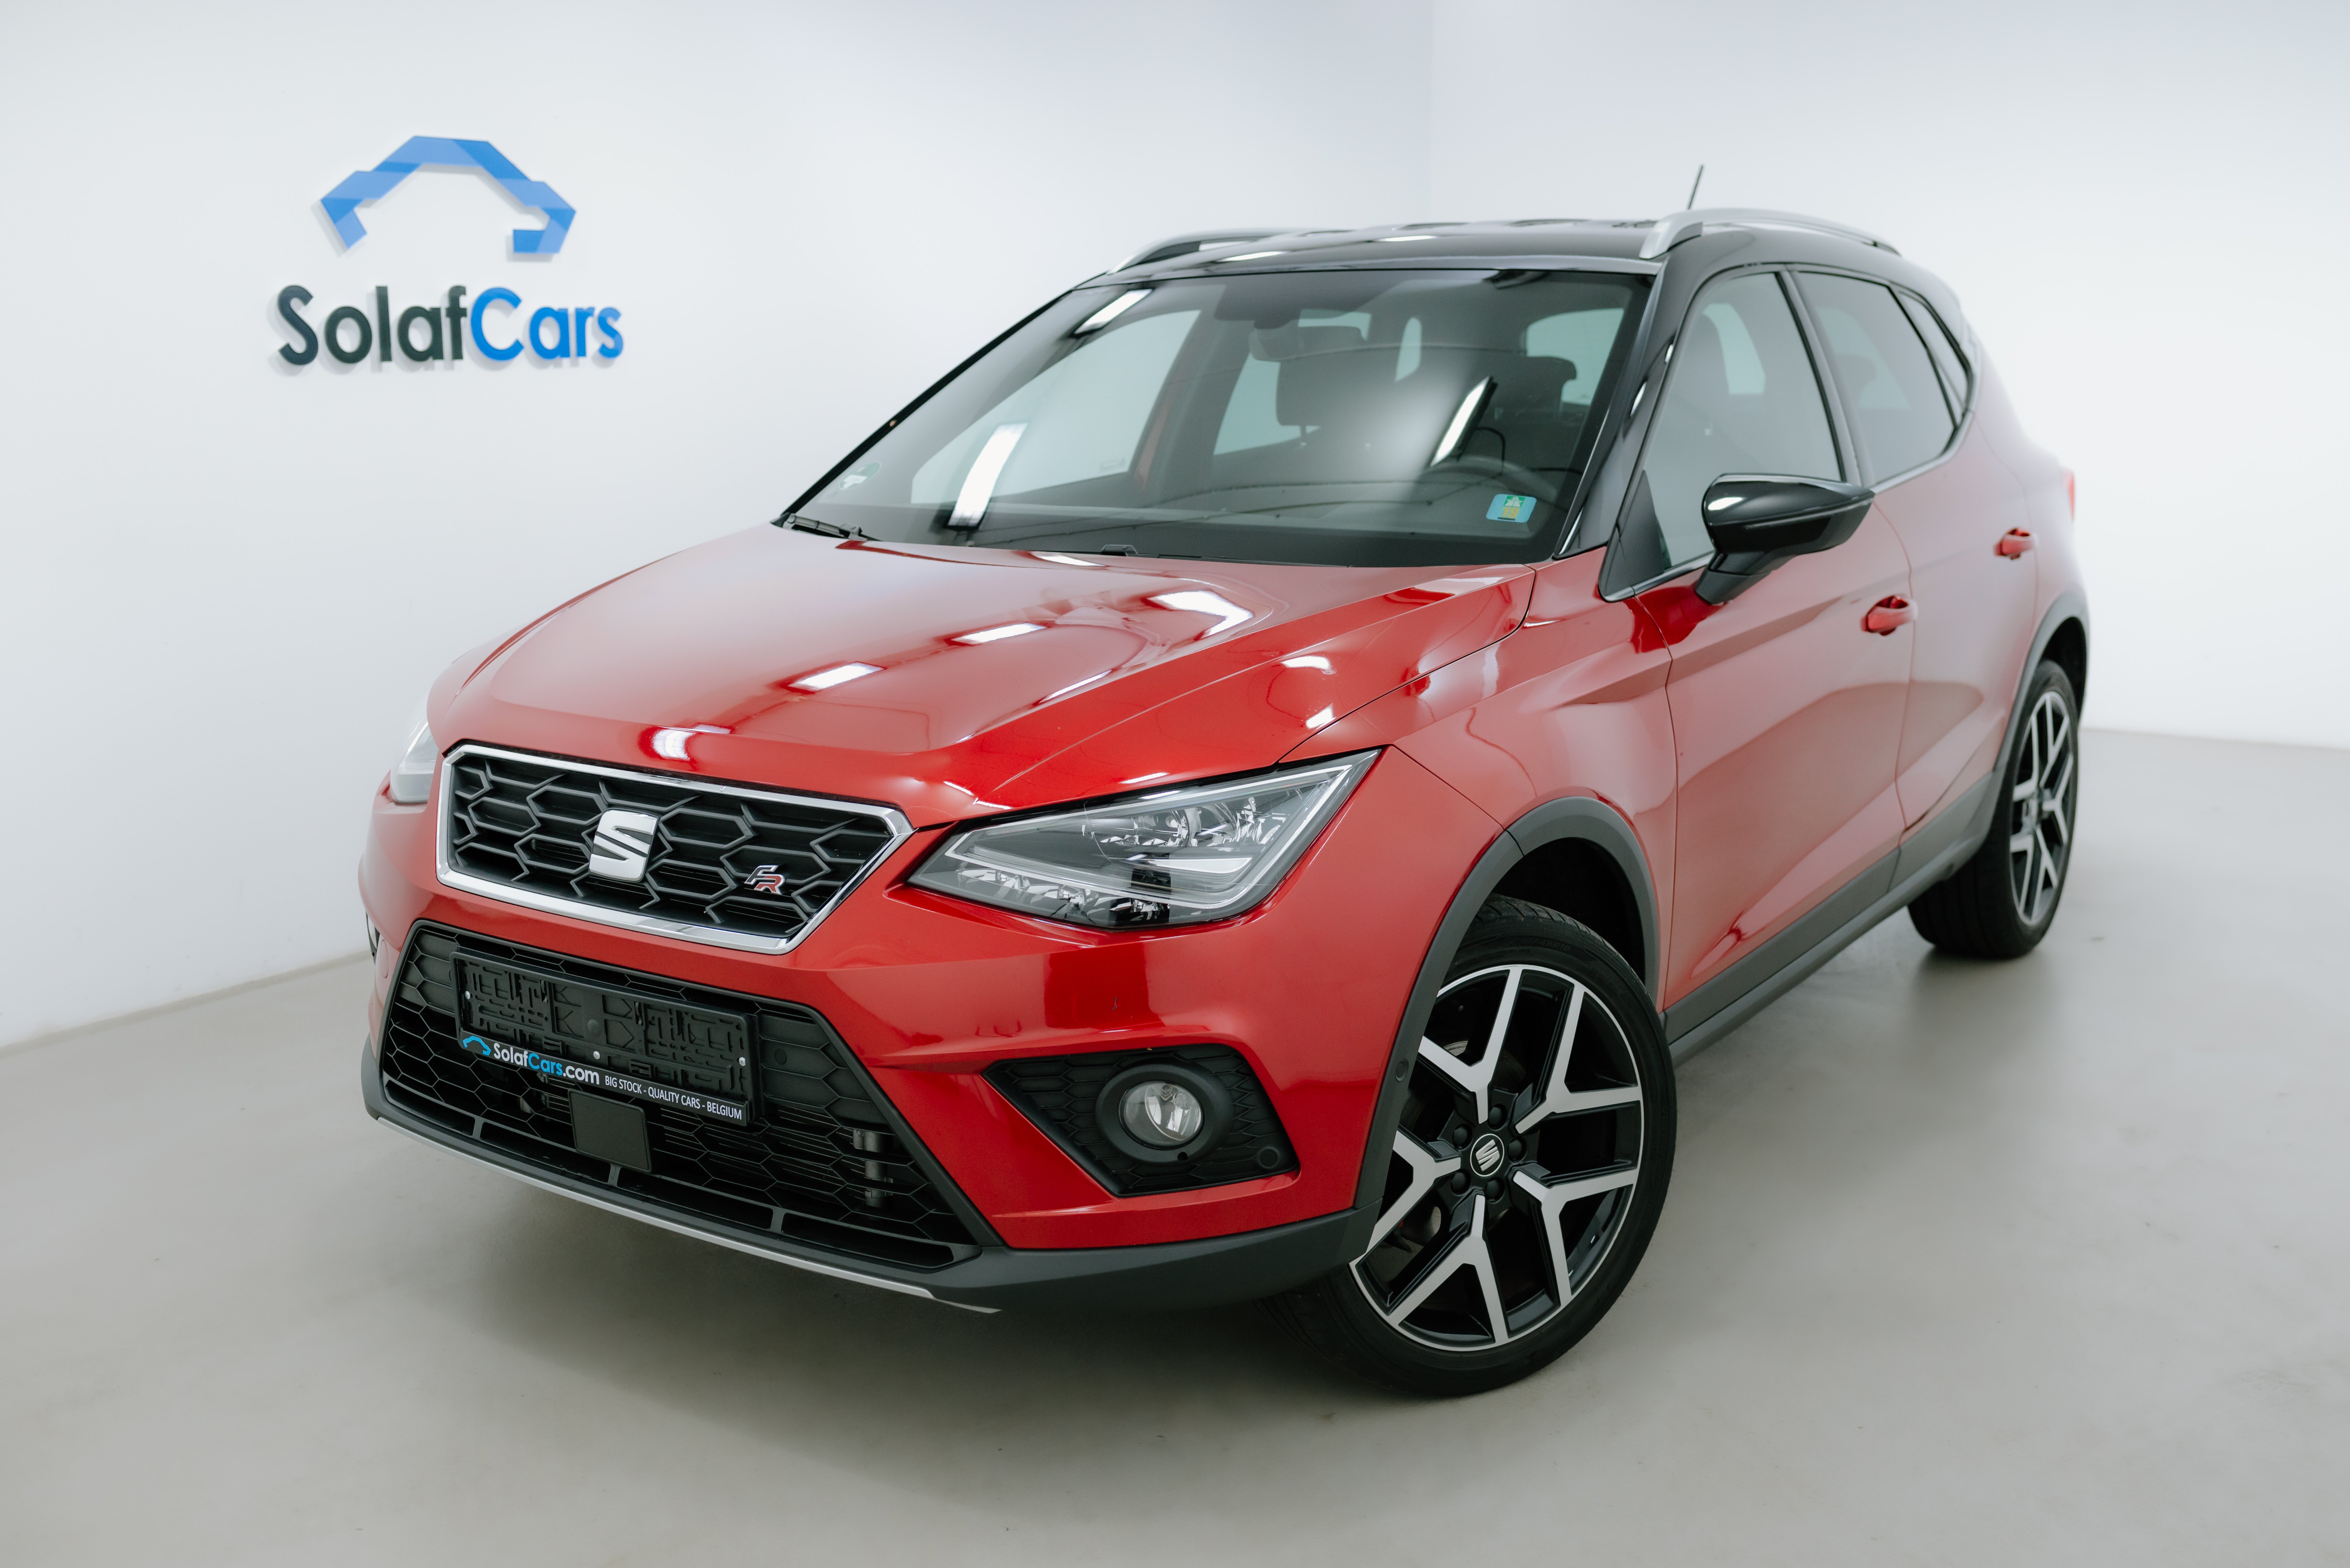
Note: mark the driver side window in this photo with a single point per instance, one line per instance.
(1741, 398)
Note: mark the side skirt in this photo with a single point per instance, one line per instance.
(1788, 960)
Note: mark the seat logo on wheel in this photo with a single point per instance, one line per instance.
(623, 841)
(1486, 1155)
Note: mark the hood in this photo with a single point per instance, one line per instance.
(952, 683)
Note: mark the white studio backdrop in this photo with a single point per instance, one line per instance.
(226, 583)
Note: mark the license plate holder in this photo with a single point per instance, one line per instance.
(613, 1042)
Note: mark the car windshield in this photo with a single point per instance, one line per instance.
(1361, 418)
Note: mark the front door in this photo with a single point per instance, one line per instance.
(1786, 710)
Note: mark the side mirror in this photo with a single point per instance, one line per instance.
(1757, 521)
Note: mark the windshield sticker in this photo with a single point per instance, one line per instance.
(1510, 509)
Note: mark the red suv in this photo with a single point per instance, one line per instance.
(1244, 789)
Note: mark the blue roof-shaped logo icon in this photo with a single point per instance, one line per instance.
(342, 203)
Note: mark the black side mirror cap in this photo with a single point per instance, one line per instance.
(1758, 521)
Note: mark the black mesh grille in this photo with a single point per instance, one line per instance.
(823, 1161)
(762, 866)
(1059, 1093)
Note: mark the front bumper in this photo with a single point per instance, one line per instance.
(1168, 1276)
(929, 991)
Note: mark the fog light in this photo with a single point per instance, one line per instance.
(1162, 1111)
(1163, 1115)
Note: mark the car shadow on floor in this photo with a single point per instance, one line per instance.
(845, 1372)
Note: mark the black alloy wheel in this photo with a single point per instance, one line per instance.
(1527, 1172)
(2000, 903)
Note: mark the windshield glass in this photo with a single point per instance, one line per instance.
(1367, 418)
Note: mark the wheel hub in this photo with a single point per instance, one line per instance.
(2040, 830)
(1515, 1163)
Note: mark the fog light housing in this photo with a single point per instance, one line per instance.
(1163, 1112)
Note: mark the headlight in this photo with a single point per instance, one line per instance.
(1173, 857)
(412, 776)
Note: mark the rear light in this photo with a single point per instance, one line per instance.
(2072, 507)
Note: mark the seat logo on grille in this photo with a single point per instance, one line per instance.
(765, 879)
(623, 841)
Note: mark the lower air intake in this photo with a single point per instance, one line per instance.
(756, 1114)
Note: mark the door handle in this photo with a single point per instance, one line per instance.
(2014, 541)
(1888, 615)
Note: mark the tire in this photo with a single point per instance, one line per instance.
(1535, 1215)
(2001, 901)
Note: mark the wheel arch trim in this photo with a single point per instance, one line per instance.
(1582, 818)
(2071, 604)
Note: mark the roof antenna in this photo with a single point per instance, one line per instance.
(1694, 184)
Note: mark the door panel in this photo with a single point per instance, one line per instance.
(1786, 712)
(1903, 385)
(1786, 719)
(1974, 621)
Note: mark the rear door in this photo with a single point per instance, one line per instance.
(1905, 389)
(1786, 712)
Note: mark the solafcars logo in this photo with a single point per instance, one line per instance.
(494, 323)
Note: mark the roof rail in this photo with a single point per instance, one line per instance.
(1184, 244)
(1672, 230)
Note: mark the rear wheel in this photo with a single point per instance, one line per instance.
(2002, 900)
(1525, 1176)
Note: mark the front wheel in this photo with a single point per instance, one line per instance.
(2003, 901)
(1526, 1174)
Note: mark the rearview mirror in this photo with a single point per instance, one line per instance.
(1758, 521)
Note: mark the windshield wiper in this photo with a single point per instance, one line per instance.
(810, 526)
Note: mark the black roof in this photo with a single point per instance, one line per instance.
(1620, 239)
(1395, 242)
(1646, 244)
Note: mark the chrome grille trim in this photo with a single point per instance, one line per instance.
(451, 876)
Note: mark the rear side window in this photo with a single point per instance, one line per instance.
(1741, 399)
(1889, 383)
(1947, 357)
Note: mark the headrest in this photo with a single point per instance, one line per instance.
(1530, 383)
(1332, 377)
(1859, 375)
(1703, 371)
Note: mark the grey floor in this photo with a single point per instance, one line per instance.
(2045, 1261)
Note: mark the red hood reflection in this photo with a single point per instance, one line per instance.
(941, 679)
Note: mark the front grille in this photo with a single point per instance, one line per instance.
(823, 1161)
(1059, 1094)
(738, 867)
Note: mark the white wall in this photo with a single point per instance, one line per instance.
(223, 586)
(2141, 205)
